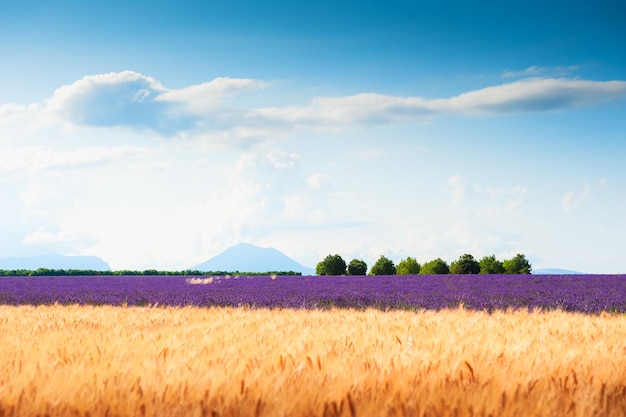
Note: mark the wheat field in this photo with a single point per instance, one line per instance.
(126, 361)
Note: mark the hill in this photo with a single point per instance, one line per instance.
(246, 257)
(54, 262)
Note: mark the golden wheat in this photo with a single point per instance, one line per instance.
(114, 361)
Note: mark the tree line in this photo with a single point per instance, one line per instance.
(331, 265)
(466, 264)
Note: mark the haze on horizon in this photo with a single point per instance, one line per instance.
(158, 134)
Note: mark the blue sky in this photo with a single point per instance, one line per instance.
(157, 134)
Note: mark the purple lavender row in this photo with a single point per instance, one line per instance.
(581, 293)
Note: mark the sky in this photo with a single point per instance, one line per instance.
(157, 134)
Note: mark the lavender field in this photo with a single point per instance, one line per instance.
(580, 293)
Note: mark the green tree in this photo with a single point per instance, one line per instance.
(466, 264)
(408, 266)
(357, 267)
(490, 265)
(435, 267)
(383, 266)
(331, 265)
(517, 265)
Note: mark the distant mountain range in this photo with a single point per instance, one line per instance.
(32, 263)
(243, 257)
(556, 271)
(246, 257)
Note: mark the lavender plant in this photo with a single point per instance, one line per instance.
(581, 293)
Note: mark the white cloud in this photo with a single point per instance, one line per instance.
(138, 101)
(357, 109)
(513, 196)
(114, 99)
(535, 94)
(133, 100)
(574, 199)
(536, 71)
(486, 201)
(13, 113)
(282, 160)
(365, 154)
(265, 193)
(45, 237)
(530, 95)
(458, 186)
(37, 158)
(319, 181)
(269, 195)
(205, 98)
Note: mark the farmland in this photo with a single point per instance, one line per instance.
(313, 346)
(190, 361)
(575, 293)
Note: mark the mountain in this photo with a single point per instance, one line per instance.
(54, 262)
(250, 258)
(556, 271)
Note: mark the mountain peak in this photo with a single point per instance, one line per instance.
(246, 257)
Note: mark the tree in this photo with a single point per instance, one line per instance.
(490, 265)
(331, 265)
(408, 266)
(435, 267)
(517, 265)
(357, 267)
(383, 266)
(466, 264)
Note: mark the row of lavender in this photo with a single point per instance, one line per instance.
(583, 293)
